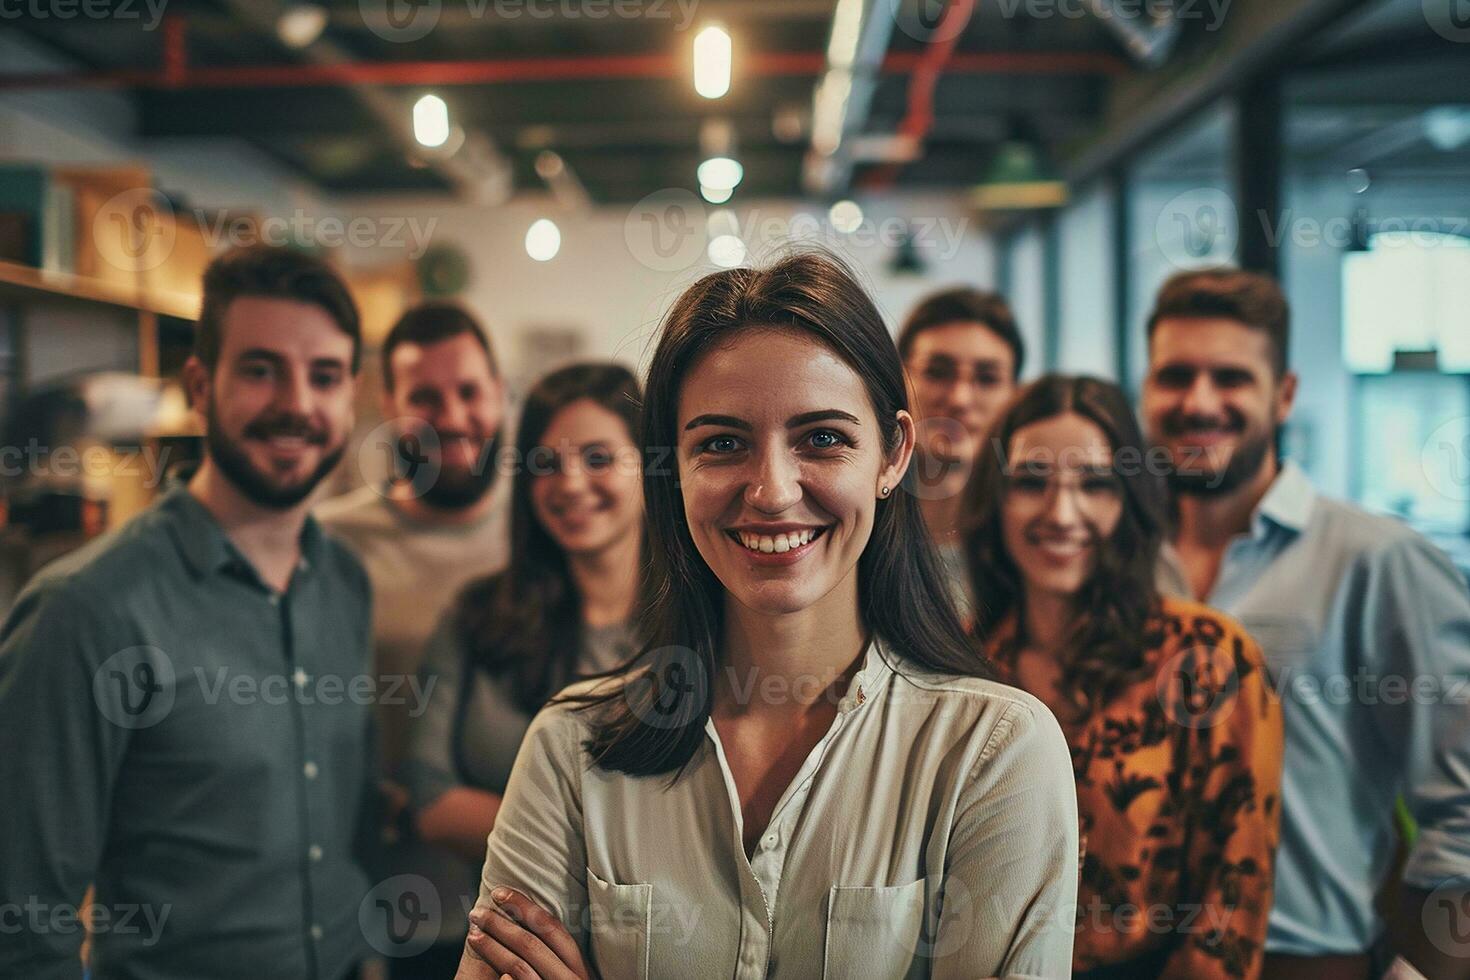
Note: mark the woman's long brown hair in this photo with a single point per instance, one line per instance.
(654, 724)
(1120, 599)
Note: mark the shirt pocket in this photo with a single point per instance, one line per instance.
(619, 926)
(875, 932)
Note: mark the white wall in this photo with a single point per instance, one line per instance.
(1028, 295)
(609, 283)
(1086, 342)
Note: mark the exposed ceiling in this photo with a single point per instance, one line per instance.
(606, 85)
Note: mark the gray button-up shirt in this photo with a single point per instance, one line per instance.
(195, 744)
(926, 785)
(1365, 627)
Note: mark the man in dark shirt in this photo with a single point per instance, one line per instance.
(185, 703)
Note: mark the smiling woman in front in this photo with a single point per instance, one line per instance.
(805, 773)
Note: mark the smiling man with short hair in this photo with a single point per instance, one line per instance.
(175, 698)
(1342, 602)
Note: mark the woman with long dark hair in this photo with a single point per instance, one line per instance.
(806, 771)
(562, 608)
(1174, 730)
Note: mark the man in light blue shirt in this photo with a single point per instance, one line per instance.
(1365, 626)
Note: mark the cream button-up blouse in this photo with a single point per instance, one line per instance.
(931, 833)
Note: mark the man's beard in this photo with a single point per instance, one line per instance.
(1189, 479)
(464, 488)
(258, 488)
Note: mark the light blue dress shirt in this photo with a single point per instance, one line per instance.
(1365, 626)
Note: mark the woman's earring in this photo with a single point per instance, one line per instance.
(884, 491)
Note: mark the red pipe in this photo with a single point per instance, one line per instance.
(177, 75)
(935, 59)
(175, 51)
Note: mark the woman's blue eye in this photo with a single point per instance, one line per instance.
(826, 440)
(722, 444)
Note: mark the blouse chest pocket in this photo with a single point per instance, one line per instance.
(620, 920)
(876, 933)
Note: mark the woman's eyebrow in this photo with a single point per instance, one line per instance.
(805, 418)
(825, 415)
(725, 420)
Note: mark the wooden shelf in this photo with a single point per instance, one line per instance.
(26, 283)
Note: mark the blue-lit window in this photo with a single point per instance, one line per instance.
(1409, 293)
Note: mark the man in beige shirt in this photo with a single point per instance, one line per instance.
(437, 524)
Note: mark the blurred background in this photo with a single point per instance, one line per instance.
(566, 167)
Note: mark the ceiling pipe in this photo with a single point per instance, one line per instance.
(510, 70)
(1149, 42)
(917, 122)
(478, 173)
(856, 52)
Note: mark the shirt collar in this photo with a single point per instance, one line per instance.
(869, 679)
(203, 544)
(1288, 503)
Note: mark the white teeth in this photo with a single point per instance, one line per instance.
(777, 543)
